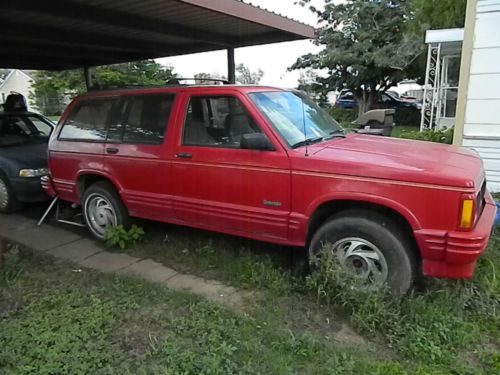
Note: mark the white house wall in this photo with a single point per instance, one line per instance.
(17, 81)
(482, 114)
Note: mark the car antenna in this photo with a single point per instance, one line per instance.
(304, 125)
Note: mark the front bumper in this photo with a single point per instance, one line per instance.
(454, 254)
(28, 189)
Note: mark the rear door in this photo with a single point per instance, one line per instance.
(135, 154)
(220, 186)
(80, 143)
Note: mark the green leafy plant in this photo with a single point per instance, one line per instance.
(439, 136)
(120, 237)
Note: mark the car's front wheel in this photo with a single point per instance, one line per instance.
(8, 201)
(103, 208)
(368, 245)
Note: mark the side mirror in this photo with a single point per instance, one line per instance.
(256, 141)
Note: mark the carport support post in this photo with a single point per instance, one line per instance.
(88, 77)
(231, 70)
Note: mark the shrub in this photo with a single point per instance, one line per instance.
(344, 116)
(120, 237)
(439, 136)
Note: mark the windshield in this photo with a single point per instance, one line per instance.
(297, 118)
(18, 129)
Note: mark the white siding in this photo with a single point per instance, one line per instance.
(19, 82)
(482, 114)
(488, 6)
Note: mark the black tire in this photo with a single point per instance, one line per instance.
(391, 245)
(8, 201)
(111, 212)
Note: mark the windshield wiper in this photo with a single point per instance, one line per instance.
(336, 134)
(307, 142)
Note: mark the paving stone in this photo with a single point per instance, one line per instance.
(69, 246)
(108, 262)
(42, 238)
(150, 270)
(12, 221)
(76, 251)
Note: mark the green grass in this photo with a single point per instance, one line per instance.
(398, 131)
(55, 318)
(54, 118)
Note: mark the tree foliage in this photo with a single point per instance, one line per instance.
(247, 77)
(53, 90)
(367, 49)
(438, 14)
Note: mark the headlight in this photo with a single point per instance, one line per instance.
(33, 172)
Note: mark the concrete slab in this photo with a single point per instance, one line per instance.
(12, 221)
(149, 270)
(108, 262)
(76, 251)
(66, 245)
(42, 238)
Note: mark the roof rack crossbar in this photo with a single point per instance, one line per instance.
(176, 80)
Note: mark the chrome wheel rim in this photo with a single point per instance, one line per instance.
(363, 258)
(100, 214)
(4, 195)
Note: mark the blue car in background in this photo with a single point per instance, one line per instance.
(346, 100)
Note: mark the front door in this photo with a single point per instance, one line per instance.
(220, 186)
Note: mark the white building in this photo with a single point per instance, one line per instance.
(18, 81)
(477, 123)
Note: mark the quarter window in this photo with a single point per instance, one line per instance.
(88, 120)
(217, 121)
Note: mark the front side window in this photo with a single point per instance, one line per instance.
(88, 120)
(296, 117)
(43, 127)
(219, 121)
(22, 129)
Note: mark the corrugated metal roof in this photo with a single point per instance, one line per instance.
(64, 34)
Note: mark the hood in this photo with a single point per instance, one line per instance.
(29, 155)
(394, 159)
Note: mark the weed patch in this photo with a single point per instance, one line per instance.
(432, 327)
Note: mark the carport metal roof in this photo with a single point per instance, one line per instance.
(65, 34)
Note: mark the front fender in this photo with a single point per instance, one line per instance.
(365, 198)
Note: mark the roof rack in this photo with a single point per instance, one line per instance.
(175, 81)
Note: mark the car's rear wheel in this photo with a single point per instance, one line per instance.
(369, 246)
(8, 201)
(103, 208)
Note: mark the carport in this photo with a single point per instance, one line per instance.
(69, 34)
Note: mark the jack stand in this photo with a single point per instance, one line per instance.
(47, 211)
(56, 202)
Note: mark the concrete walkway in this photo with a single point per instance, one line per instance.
(63, 244)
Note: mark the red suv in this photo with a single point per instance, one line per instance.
(269, 164)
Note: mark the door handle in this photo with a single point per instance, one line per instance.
(184, 155)
(112, 150)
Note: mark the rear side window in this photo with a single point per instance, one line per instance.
(146, 118)
(88, 120)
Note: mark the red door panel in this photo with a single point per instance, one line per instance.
(232, 190)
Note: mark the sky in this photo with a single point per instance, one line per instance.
(273, 59)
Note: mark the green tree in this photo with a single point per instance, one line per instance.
(438, 14)
(367, 49)
(53, 90)
(246, 77)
